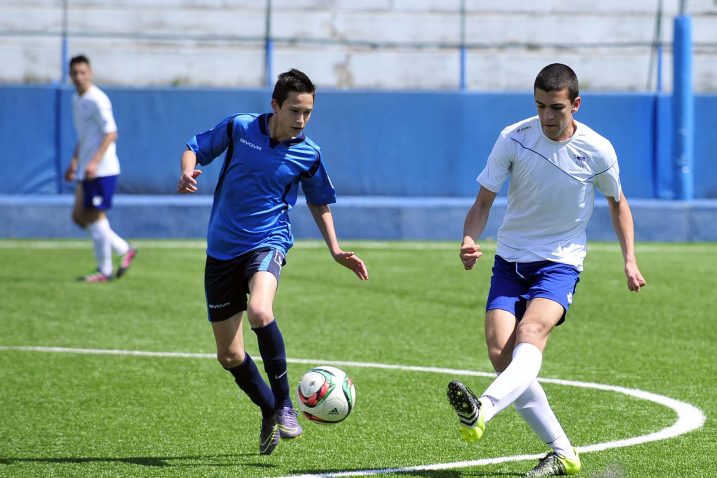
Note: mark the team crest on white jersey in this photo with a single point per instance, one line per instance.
(581, 159)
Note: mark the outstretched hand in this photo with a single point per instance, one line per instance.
(634, 278)
(353, 262)
(470, 253)
(188, 182)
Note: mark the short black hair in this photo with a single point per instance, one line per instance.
(292, 80)
(556, 77)
(79, 59)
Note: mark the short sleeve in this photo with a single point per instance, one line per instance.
(211, 143)
(608, 181)
(317, 186)
(498, 166)
(105, 116)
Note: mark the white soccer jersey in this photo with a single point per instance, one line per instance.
(92, 113)
(552, 190)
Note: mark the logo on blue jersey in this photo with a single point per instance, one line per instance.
(251, 145)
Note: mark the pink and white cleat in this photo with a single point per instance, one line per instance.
(95, 278)
(126, 261)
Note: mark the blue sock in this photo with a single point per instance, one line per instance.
(247, 376)
(271, 347)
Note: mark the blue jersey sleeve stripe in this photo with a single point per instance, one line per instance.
(312, 170)
(211, 143)
(228, 157)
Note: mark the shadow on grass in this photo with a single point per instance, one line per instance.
(151, 461)
(238, 460)
(419, 474)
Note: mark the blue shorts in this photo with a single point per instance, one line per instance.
(226, 283)
(515, 283)
(98, 192)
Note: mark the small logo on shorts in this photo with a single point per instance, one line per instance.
(219, 306)
(96, 201)
(279, 258)
(570, 297)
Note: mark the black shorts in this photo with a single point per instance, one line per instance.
(226, 283)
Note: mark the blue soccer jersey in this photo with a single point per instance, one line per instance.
(258, 184)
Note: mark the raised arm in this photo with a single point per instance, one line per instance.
(473, 227)
(621, 217)
(325, 222)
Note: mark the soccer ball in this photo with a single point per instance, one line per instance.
(326, 395)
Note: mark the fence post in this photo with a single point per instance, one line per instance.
(462, 79)
(268, 47)
(683, 104)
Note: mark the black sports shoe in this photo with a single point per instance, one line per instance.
(269, 434)
(553, 464)
(468, 409)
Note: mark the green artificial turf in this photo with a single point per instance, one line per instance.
(75, 409)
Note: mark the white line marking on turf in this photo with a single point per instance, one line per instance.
(697, 248)
(689, 417)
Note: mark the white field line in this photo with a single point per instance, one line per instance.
(357, 245)
(689, 417)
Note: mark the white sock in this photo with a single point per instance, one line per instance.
(533, 406)
(119, 245)
(102, 246)
(514, 380)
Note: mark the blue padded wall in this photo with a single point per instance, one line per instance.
(406, 144)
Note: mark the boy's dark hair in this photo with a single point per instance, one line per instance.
(79, 59)
(292, 80)
(556, 77)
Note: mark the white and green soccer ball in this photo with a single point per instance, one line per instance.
(326, 395)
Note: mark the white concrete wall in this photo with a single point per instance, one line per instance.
(389, 44)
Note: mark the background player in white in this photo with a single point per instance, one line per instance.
(96, 166)
(554, 164)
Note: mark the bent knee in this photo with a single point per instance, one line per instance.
(230, 359)
(534, 333)
(500, 358)
(259, 316)
(79, 220)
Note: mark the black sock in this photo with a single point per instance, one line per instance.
(247, 376)
(273, 352)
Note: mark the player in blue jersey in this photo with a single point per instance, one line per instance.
(267, 158)
(555, 164)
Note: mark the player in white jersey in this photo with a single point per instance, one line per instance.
(96, 167)
(554, 164)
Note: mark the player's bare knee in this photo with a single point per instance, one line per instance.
(534, 332)
(500, 358)
(259, 316)
(78, 219)
(230, 359)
